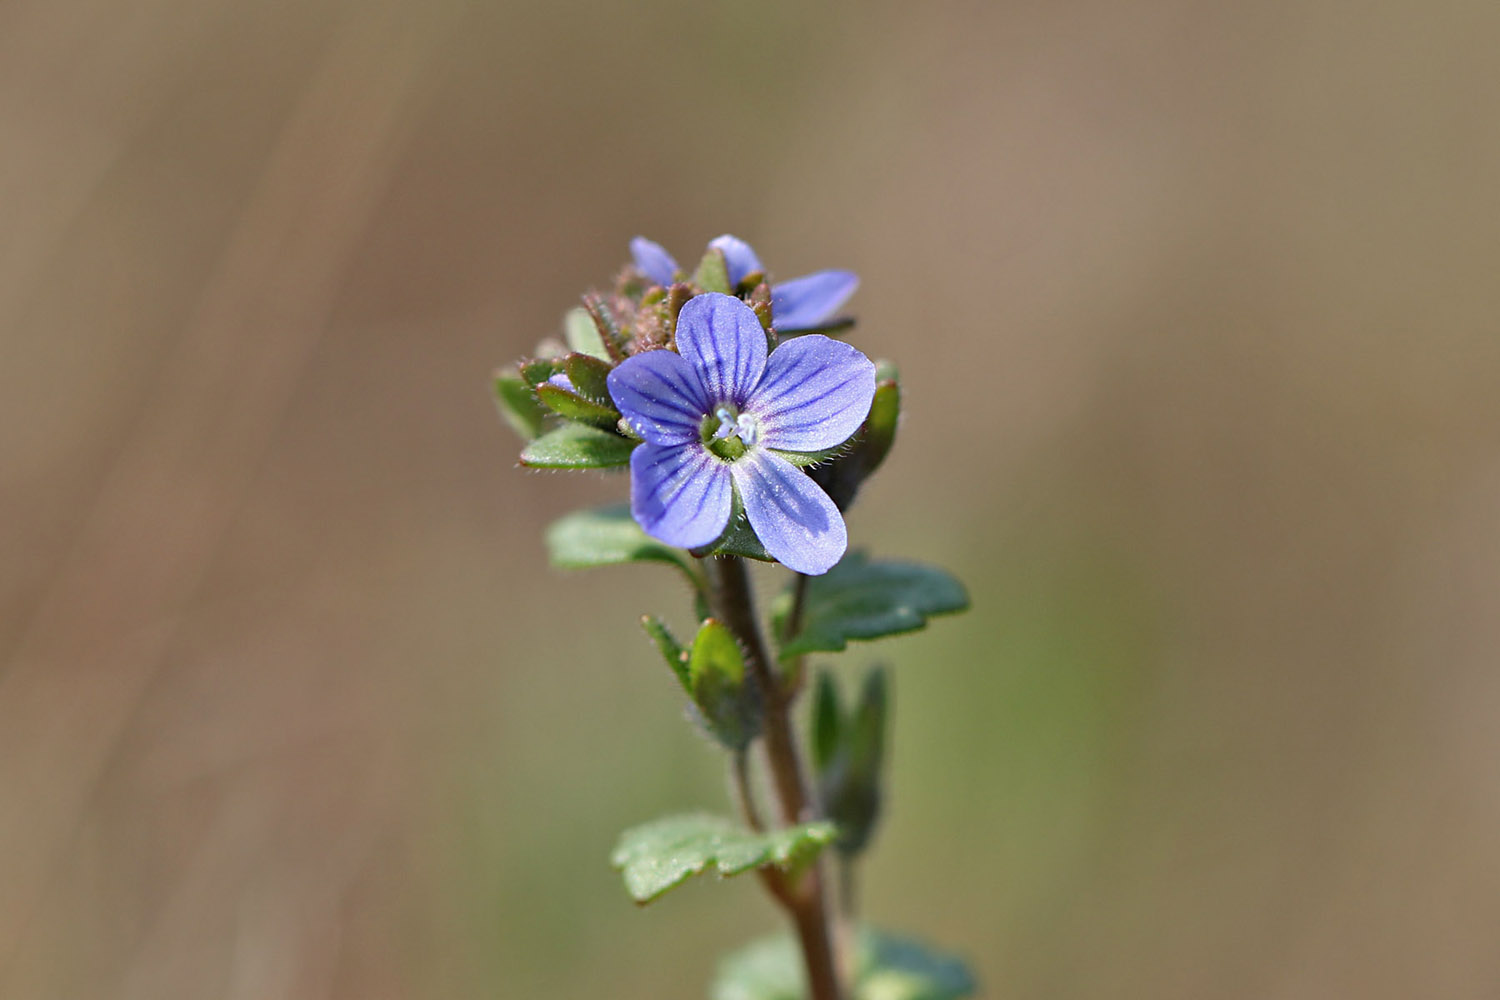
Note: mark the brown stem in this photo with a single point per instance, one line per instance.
(734, 604)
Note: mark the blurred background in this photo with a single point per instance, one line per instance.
(1196, 310)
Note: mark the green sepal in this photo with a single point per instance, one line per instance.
(738, 539)
(609, 536)
(538, 370)
(575, 407)
(677, 297)
(886, 967)
(809, 459)
(590, 377)
(577, 446)
(859, 457)
(671, 650)
(713, 272)
(518, 404)
(728, 704)
(750, 282)
(861, 599)
(759, 301)
(879, 432)
(582, 334)
(607, 327)
(658, 856)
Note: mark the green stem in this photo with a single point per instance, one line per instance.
(734, 604)
(744, 795)
(796, 675)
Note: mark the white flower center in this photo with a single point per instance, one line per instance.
(732, 424)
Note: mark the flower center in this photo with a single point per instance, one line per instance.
(728, 432)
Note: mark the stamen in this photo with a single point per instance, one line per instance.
(727, 425)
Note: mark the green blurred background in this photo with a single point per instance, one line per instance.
(1196, 310)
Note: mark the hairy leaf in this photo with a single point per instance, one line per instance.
(582, 335)
(664, 853)
(608, 536)
(861, 599)
(518, 404)
(577, 446)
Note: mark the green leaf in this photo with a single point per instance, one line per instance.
(868, 724)
(713, 272)
(577, 446)
(582, 335)
(860, 599)
(850, 785)
(671, 650)
(575, 407)
(826, 720)
(728, 707)
(886, 967)
(518, 405)
(608, 536)
(662, 854)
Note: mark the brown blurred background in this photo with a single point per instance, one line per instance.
(1196, 309)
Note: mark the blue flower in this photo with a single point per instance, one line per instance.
(799, 304)
(715, 416)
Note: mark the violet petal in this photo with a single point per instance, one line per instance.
(725, 345)
(652, 260)
(815, 394)
(808, 301)
(792, 517)
(679, 494)
(660, 396)
(738, 256)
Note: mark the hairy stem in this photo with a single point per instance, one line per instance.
(734, 604)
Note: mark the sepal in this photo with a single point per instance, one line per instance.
(858, 459)
(738, 539)
(572, 406)
(582, 334)
(589, 377)
(535, 371)
(713, 272)
(607, 326)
